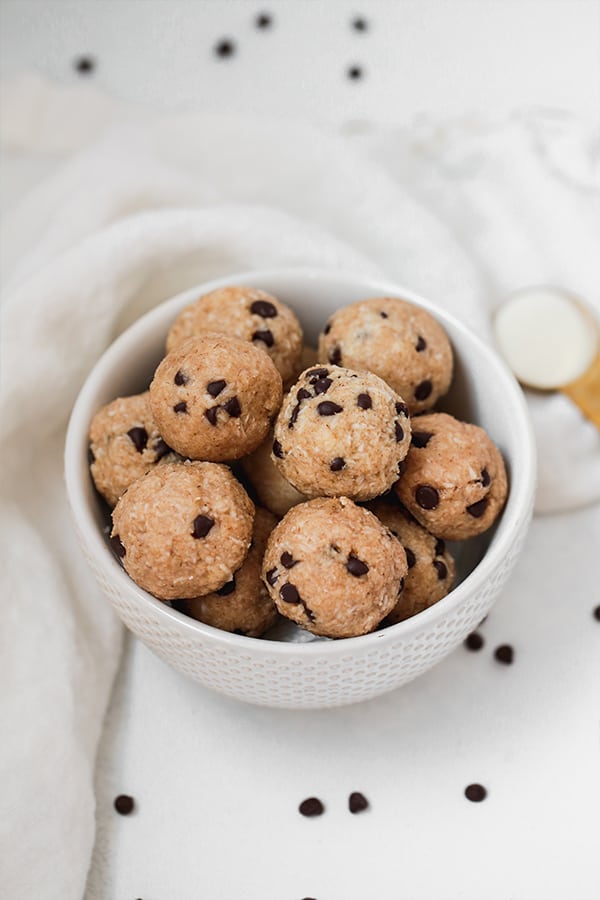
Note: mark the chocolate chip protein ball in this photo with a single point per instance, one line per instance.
(396, 340)
(454, 482)
(183, 529)
(213, 397)
(242, 605)
(271, 487)
(124, 444)
(341, 433)
(246, 313)
(431, 568)
(332, 567)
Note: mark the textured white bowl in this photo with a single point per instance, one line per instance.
(320, 673)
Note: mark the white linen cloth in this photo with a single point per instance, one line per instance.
(462, 213)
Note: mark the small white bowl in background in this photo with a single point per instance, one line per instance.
(316, 673)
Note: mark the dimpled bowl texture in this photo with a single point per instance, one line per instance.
(290, 669)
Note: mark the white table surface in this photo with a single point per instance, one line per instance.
(528, 732)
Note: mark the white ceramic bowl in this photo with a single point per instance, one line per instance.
(319, 673)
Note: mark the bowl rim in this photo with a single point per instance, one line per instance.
(516, 511)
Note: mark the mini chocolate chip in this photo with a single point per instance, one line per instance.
(228, 588)
(214, 388)
(294, 416)
(264, 309)
(180, 407)
(139, 437)
(335, 356)
(265, 335)
(363, 401)
(240, 631)
(596, 613)
(312, 806)
(410, 557)
(423, 390)
(440, 547)
(474, 641)
(421, 344)
(84, 65)
(354, 72)
(402, 467)
(211, 414)
(180, 378)
(91, 457)
(383, 315)
(124, 804)
(287, 560)
(322, 385)
(337, 464)
(277, 450)
(263, 20)
(117, 546)
(441, 569)
(161, 449)
(309, 613)
(357, 802)
(289, 593)
(477, 509)
(202, 525)
(401, 409)
(272, 576)
(420, 439)
(317, 373)
(504, 654)
(303, 394)
(356, 566)
(327, 328)
(427, 497)
(485, 477)
(329, 408)
(225, 48)
(475, 793)
(399, 432)
(233, 408)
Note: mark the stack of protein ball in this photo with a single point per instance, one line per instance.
(352, 427)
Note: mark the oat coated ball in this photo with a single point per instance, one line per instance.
(183, 529)
(243, 604)
(341, 433)
(333, 568)
(213, 397)
(400, 342)
(431, 569)
(246, 313)
(124, 444)
(454, 481)
(272, 489)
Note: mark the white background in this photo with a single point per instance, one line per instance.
(441, 57)
(529, 732)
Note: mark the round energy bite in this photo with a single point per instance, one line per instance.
(183, 529)
(431, 568)
(454, 482)
(246, 313)
(271, 487)
(125, 443)
(396, 340)
(341, 433)
(333, 568)
(213, 397)
(242, 605)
